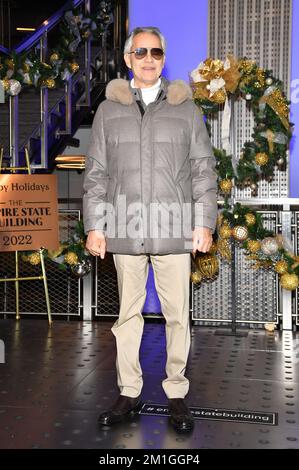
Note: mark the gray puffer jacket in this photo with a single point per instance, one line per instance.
(143, 157)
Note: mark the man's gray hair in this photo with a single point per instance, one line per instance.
(145, 29)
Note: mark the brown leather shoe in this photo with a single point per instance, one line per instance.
(123, 408)
(180, 416)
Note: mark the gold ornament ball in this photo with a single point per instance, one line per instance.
(86, 35)
(281, 266)
(253, 245)
(54, 57)
(261, 158)
(250, 218)
(5, 84)
(289, 281)
(71, 258)
(74, 67)
(226, 186)
(34, 259)
(50, 83)
(269, 326)
(269, 246)
(225, 231)
(196, 277)
(219, 97)
(240, 233)
(280, 162)
(207, 265)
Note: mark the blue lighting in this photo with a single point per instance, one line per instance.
(185, 26)
(294, 149)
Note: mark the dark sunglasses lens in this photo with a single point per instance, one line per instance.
(157, 53)
(140, 53)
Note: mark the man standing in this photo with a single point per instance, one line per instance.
(150, 149)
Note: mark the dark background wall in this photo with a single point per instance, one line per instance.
(23, 13)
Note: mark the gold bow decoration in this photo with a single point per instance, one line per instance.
(273, 97)
(213, 78)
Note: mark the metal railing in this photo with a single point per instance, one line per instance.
(258, 297)
(39, 39)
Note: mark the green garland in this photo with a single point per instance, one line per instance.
(213, 83)
(272, 130)
(69, 256)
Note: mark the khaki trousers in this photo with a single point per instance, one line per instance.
(172, 273)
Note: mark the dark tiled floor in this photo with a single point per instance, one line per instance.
(56, 381)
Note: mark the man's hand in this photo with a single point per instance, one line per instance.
(202, 239)
(96, 243)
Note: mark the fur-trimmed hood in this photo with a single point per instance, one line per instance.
(119, 90)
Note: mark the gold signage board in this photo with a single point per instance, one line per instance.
(28, 212)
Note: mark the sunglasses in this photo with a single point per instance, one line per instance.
(141, 52)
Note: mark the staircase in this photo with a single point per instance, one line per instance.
(44, 120)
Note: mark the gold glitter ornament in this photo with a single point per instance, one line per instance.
(74, 67)
(225, 231)
(54, 57)
(261, 158)
(226, 186)
(219, 96)
(5, 84)
(211, 69)
(289, 281)
(260, 75)
(279, 105)
(224, 250)
(86, 35)
(49, 83)
(207, 265)
(281, 266)
(240, 233)
(253, 245)
(250, 218)
(34, 259)
(196, 277)
(71, 258)
(246, 66)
